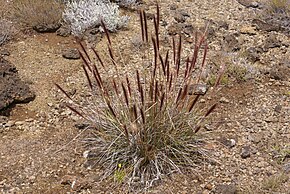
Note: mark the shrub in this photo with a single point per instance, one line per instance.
(37, 13)
(7, 31)
(277, 13)
(84, 14)
(144, 126)
(279, 6)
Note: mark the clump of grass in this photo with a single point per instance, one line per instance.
(146, 123)
(274, 182)
(7, 31)
(35, 13)
(279, 6)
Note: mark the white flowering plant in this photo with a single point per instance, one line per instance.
(81, 15)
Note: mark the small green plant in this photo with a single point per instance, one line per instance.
(120, 174)
(223, 81)
(282, 153)
(146, 120)
(274, 182)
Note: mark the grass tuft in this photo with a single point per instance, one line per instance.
(144, 126)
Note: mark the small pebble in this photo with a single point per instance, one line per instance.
(224, 100)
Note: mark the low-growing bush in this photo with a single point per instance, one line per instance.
(144, 124)
(83, 14)
(279, 6)
(37, 13)
(7, 31)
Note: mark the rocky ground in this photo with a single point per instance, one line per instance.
(248, 135)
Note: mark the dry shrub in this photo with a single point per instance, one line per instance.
(144, 126)
(279, 6)
(7, 31)
(34, 13)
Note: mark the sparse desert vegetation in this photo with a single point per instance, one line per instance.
(134, 96)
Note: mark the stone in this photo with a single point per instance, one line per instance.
(249, 3)
(12, 89)
(255, 138)
(271, 42)
(264, 26)
(226, 189)
(9, 124)
(188, 29)
(42, 28)
(179, 17)
(246, 152)
(228, 142)
(3, 119)
(174, 29)
(82, 126)
(231, 43)
(4, 52)
(280, 72)
(278, 108)
(286, 167)
(197, 89)
(224, 100)
(63, 31)
(253, 54)
(208, 186)
(19, 123)
(173, 7)
(71, 53)
(222, 24)
(250, 30)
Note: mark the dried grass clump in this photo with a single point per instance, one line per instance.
(37, 13)
(144, 126)
(279, 6)
(7, 31)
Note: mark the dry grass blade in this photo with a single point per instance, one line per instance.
(98, 57)
(111, 109)
(76, 111)
(210, 110)
(129, 86)
(162, 64)
(85, 51)
(125, 95)
(193, 102)
(88, 77)
(111, 55)
(85, 61)
(142, 25)
(156, 32)
(174, 50)
(63, 91)
(145, 26)
(106, 32)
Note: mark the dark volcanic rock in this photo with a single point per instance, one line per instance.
(249, 3)
(280, 72)
(12, 89)
(71, 54)
(63, 31)
(47, 27)
(271, 42)
(232, 42)
(246, 152)
(265, 26)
